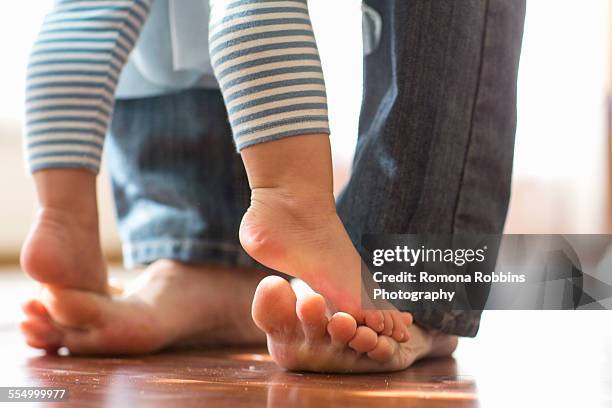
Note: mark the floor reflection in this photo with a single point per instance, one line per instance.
(431, 383)
(221, 379)
(518, 359)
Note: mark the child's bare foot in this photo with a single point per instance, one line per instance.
(63, 246)
(178, 305)
(305, 238)
(292, 226)
(301, 337)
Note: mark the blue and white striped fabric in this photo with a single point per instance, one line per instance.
(266, 60)
(263, 52)
(73, 70)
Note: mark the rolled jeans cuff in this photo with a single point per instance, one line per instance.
(140, 253)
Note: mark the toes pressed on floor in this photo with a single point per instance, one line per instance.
(41, 333)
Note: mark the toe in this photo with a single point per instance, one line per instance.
(388, 318)
(342, 328)
(35, 309)
(73, 308)
(383, 352)
(39, 344)
(375, 320)
(41, 334)
(274, 306)
(310, 310)
(365, 340)
(400, 331)
(407, 317)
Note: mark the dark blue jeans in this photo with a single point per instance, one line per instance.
(434, 154)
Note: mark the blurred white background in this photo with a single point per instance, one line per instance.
(562, 147)
(561, 169)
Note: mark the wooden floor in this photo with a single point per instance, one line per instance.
(519, 359)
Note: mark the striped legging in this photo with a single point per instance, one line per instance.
(263, 52)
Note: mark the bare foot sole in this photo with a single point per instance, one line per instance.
(177, 305)
(302, 337)
(304, 237)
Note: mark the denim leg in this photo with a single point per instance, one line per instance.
(437, 126)
(180, 188)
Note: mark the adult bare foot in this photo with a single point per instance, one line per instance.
(301, 337)
(292, 226)
(63, 246)
(177, 305)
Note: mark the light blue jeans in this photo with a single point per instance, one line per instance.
(180, 188)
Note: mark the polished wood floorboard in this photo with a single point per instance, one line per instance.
(520, 359)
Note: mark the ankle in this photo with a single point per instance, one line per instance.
(298, 164)
(296, 199)
(67, 195)
(68, 218)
